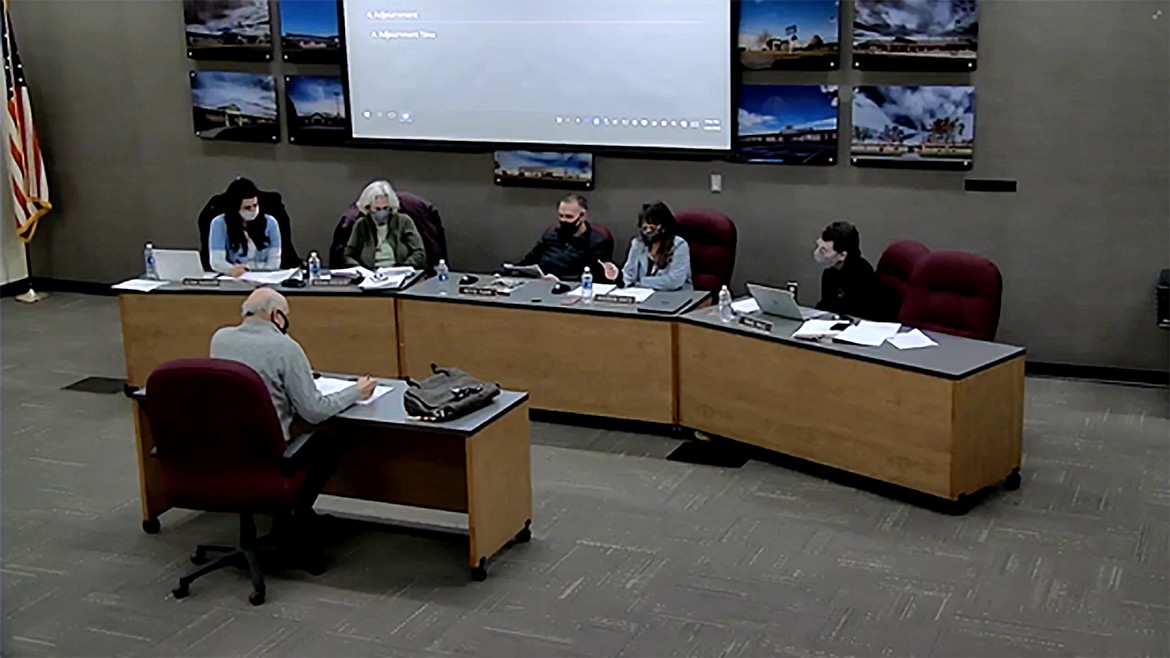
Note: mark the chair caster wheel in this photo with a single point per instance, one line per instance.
(198, 558)
(1013, 481)
(479, 573)
(181, 591)
(151, 526)
(256, 598)
(525, 535)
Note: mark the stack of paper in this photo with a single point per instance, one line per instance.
(356, 270)
(639, 294)
(598, 289)
(264, 278)
(387, 277)
(870, 334)
(746, 305)
(912, 339)
(140, 285)
(328, 385)
(814, 329)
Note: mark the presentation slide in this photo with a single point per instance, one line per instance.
(632, 73)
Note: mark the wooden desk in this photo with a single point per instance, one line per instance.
(600, 359)
(947, 421)
(342, 330)
(478, 465)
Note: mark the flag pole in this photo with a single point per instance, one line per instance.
(30, 296)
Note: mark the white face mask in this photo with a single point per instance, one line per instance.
(820, 257)
(249, 215)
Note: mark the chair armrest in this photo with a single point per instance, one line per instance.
(135, 392)
(291, 460)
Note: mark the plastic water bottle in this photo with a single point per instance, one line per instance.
(442, 272)
(314, 267)
(726, 314)
(587, 286)
(151, 268)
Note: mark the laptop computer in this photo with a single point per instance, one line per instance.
(774, 301)
(178, 264)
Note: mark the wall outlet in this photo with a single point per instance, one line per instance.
(716, 183)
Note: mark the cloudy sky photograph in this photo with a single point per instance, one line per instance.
(316, 94)
(253, 93)
(771, 108)
(582, 162)
(914, 109)
(245, 17)
(915, 19)
(811, 17)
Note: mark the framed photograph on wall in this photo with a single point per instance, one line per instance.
(316, 109)
(789, 34)
(229, 105)
(309, 31)
(915, 35)
(228, 30)
(544, 169)
(787, 124)
(918, 127)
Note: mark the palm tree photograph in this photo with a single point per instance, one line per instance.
(914, 124)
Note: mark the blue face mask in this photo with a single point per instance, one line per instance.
(381, 216)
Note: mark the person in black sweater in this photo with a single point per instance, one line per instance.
(848, 285)
(564, 251)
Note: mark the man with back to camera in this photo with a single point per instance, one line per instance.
(261, 342)
(564, 251)
(848, 284)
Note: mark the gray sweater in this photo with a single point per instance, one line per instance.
(282, 364)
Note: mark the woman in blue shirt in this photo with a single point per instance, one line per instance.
(659, 259)
(241, 239)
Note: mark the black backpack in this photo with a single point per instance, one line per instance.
(449, 393)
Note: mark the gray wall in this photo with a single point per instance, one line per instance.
(1072, 102)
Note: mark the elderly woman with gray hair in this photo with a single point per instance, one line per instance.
(383, 236)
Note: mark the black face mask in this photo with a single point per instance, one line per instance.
(650, 236)
(282, 316)
(568, 229)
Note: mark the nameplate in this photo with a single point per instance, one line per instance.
(755, 323)
(339, 281)
(478, 291)
(616, 299)
(200, 282)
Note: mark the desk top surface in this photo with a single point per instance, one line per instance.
(388, 410)
(954, 358)
(537, 294)
(237, 287)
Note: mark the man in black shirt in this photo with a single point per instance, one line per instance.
(848, 284)
(565, 251)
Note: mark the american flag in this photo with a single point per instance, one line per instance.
(26, 167)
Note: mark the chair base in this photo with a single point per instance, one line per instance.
(250, 553)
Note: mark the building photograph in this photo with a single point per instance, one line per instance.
(544, 168)
(789, 34)
(228, 29)
(934, 123)
(915, 34)
(787, 124)
(309, 31)
(316, 108)
(234, 106)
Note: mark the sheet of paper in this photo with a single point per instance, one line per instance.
(816, 329)
(382, 281)
(910, 340)
(267, 278)
(328, 385)
(870, 334)
(140, 285)
(746, 305)
(395, 271)
(598, 289)
(356, 270)
(529, 271)
(639, 294)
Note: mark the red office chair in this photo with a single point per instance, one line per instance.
(221, 449)
(893, 271)
(426, 219)
(955, 293)
(711, 236)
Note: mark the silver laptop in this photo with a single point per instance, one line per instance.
(774, 301)
(178, 264)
